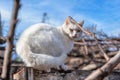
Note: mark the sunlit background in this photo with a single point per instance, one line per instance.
(105, 14)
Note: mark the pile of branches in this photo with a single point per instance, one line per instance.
(100, 73)
(102, 44)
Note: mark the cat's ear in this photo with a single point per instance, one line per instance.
(81, 23)
(67, 21)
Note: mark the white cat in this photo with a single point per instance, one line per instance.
(42, 46)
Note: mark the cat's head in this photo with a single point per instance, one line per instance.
(71, 30)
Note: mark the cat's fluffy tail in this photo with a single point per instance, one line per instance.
(23, 50)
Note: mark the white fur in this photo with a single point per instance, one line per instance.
(43, 47)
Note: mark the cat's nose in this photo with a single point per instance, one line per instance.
(75, 36)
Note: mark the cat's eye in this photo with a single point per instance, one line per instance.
(78, 30)
(71, 30)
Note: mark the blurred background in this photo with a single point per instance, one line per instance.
(102, 13)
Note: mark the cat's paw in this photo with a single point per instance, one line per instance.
(64, 67)
(48, 70)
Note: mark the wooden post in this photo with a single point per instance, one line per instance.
(30, 73)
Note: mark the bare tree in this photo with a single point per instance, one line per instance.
(7, 57)
(100, 34)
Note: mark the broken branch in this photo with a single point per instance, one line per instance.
(102, 72)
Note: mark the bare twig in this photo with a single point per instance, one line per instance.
(80, 43)
(104, 54)
(85, 47)
(2, 39)
(93, 42)
(7, 58)
(102, 72)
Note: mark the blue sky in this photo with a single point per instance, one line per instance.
(104, 13)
